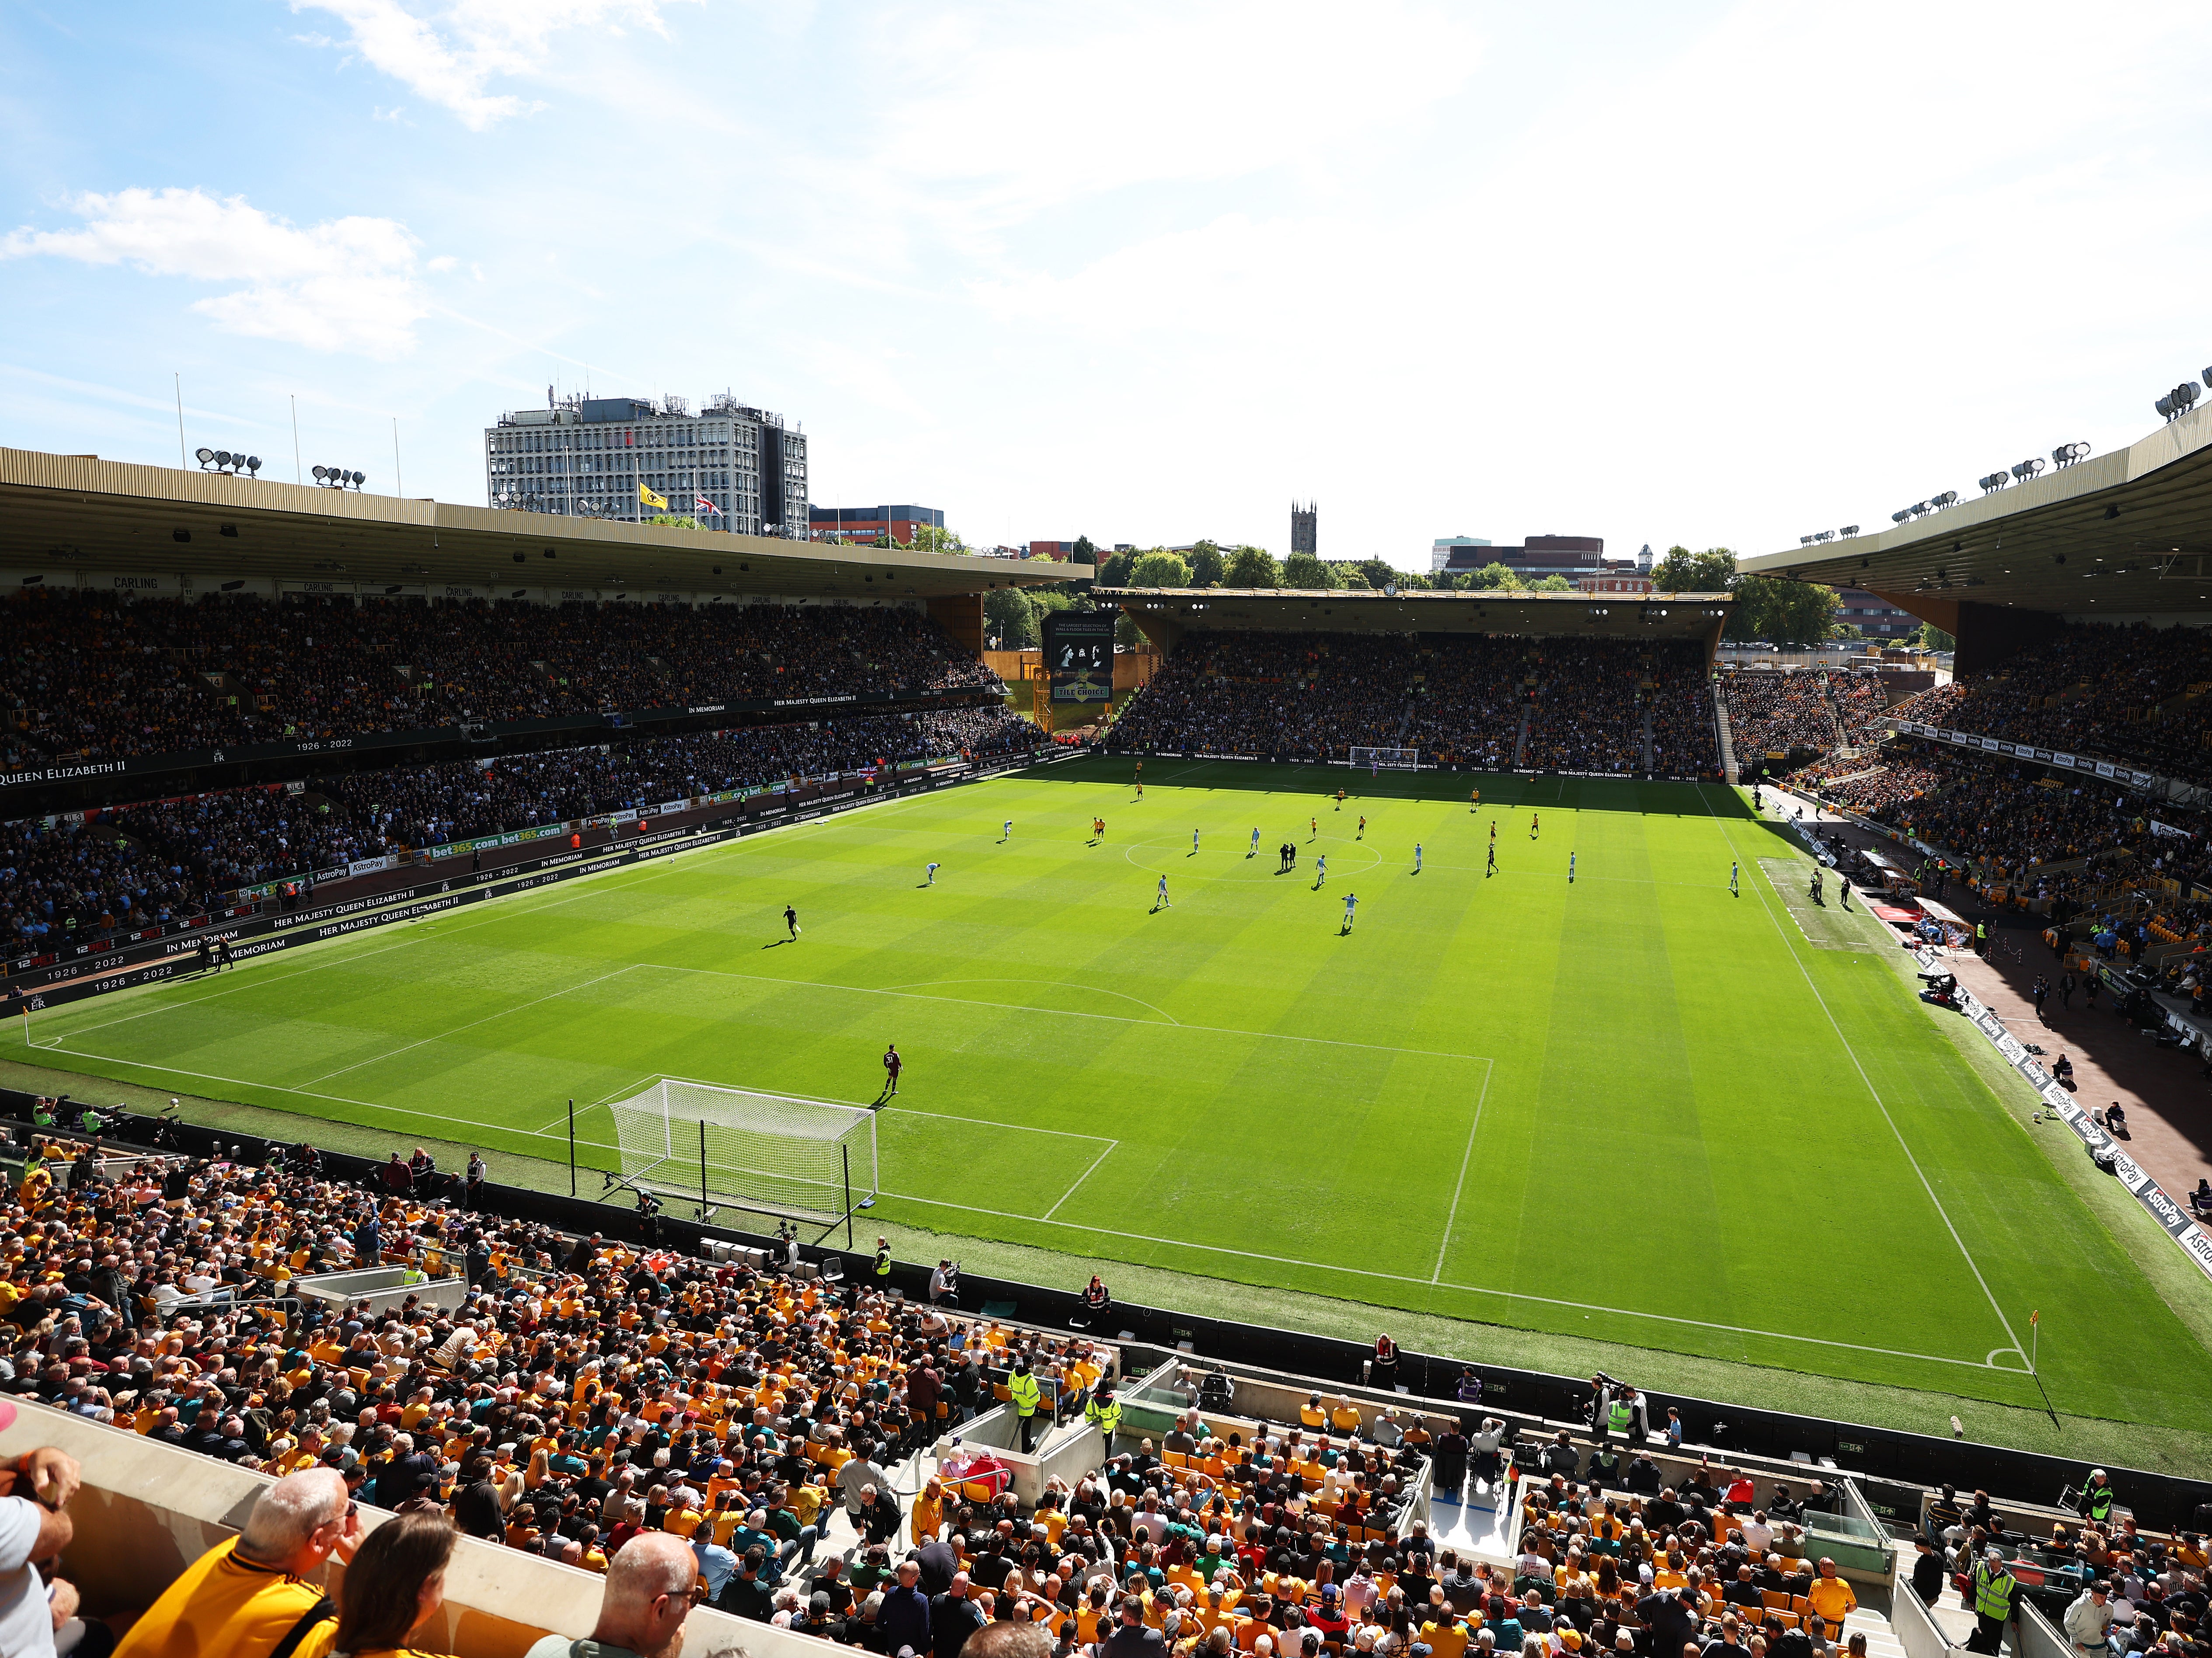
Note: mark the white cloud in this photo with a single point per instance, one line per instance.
(346, 284)
(451, 53)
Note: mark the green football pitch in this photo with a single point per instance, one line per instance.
(1634, 1107)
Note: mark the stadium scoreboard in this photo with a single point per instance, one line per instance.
(1078, 653)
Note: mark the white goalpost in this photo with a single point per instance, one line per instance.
(772, 1154)
(1386, 759)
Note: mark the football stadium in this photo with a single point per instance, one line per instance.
(715, 1050)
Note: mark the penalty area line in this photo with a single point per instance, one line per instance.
(1185, 1244)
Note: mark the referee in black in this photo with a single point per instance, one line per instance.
(791, 919)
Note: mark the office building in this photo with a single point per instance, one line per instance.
(1573, 557)
(1441, 550)
(1305, 533)
(1873, 615)
(731, 466)
(860, 526)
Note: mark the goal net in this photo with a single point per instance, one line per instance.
(769, 1153)
(1386, 759)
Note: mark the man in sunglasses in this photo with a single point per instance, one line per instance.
(247, 1598)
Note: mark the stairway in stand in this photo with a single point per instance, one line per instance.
(1521, 741)
(1727, 738)
(1650, 765)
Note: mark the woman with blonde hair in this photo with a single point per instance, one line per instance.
(394, 1585)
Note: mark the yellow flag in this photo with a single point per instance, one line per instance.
(658, 503)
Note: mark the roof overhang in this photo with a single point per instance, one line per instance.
(1583, 616)
(64, 512)
(2127, 533)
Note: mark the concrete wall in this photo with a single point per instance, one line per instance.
(382, 1288)
(148, 1510)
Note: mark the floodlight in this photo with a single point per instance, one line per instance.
(2066, 454)
(1899, 517)
(359, 478)
(321, 472)
(1949, 498)
(1805, 541)
(1849, 530)
(2165, 406)
(2184, 396)
(253, 463)
(204, 456)
(222, 457)
(2208, 377)
(2031, 467)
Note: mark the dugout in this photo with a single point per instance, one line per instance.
(1893, 876)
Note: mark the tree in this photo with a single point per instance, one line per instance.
(1412, 581)
(1377, 572)
(1783, 611)
(1936, 638)
(1252, 567)
(1085, 552)
(1492, 577)
(1159, 569)
(1115, 572)
(1305, 571)
(934, 538)
(1682, 571)
(1555, 583)
(1207, 564)
(1008, 618)
(674, 521)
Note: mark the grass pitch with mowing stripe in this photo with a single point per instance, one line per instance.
(1634, 1109)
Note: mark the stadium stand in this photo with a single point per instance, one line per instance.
(560, 1395)
(1774, 713)
(2135, 693)
(87, 674)
(1587, 703)
(144, 865)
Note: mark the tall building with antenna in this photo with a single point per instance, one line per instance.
(731, 466)
(1304, 536)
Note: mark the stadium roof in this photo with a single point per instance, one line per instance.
(78, 511)
(2118, 534)
(1585, 616)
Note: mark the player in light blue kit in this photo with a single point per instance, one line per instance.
(1571, 869)
(1194, 843)
(1255, 852)
(1160, 899)
(1417, 856)
(1007, 833)
(1351, 900)
(1321, 869)
(932, 881)
(1733, 893)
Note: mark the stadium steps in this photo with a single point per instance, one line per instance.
(1648, 713)
(1520, 738)
(1727, 738)
(1882, 1640)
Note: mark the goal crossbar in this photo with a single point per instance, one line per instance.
(1385, 759)
(747, 1149)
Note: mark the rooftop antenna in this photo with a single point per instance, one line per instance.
(179, 380)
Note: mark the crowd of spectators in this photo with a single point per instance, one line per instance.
(582, 1392)
(1859, 701)
(2120, 692)
(1313, 697)
(1782, 712)
(142, 865)
(94, 674)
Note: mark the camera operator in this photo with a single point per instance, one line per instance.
(945, 1283)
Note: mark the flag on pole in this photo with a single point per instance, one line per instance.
(705, 505)
(658, 503)
(2035, 1318)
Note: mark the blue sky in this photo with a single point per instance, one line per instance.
(1144, 272)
